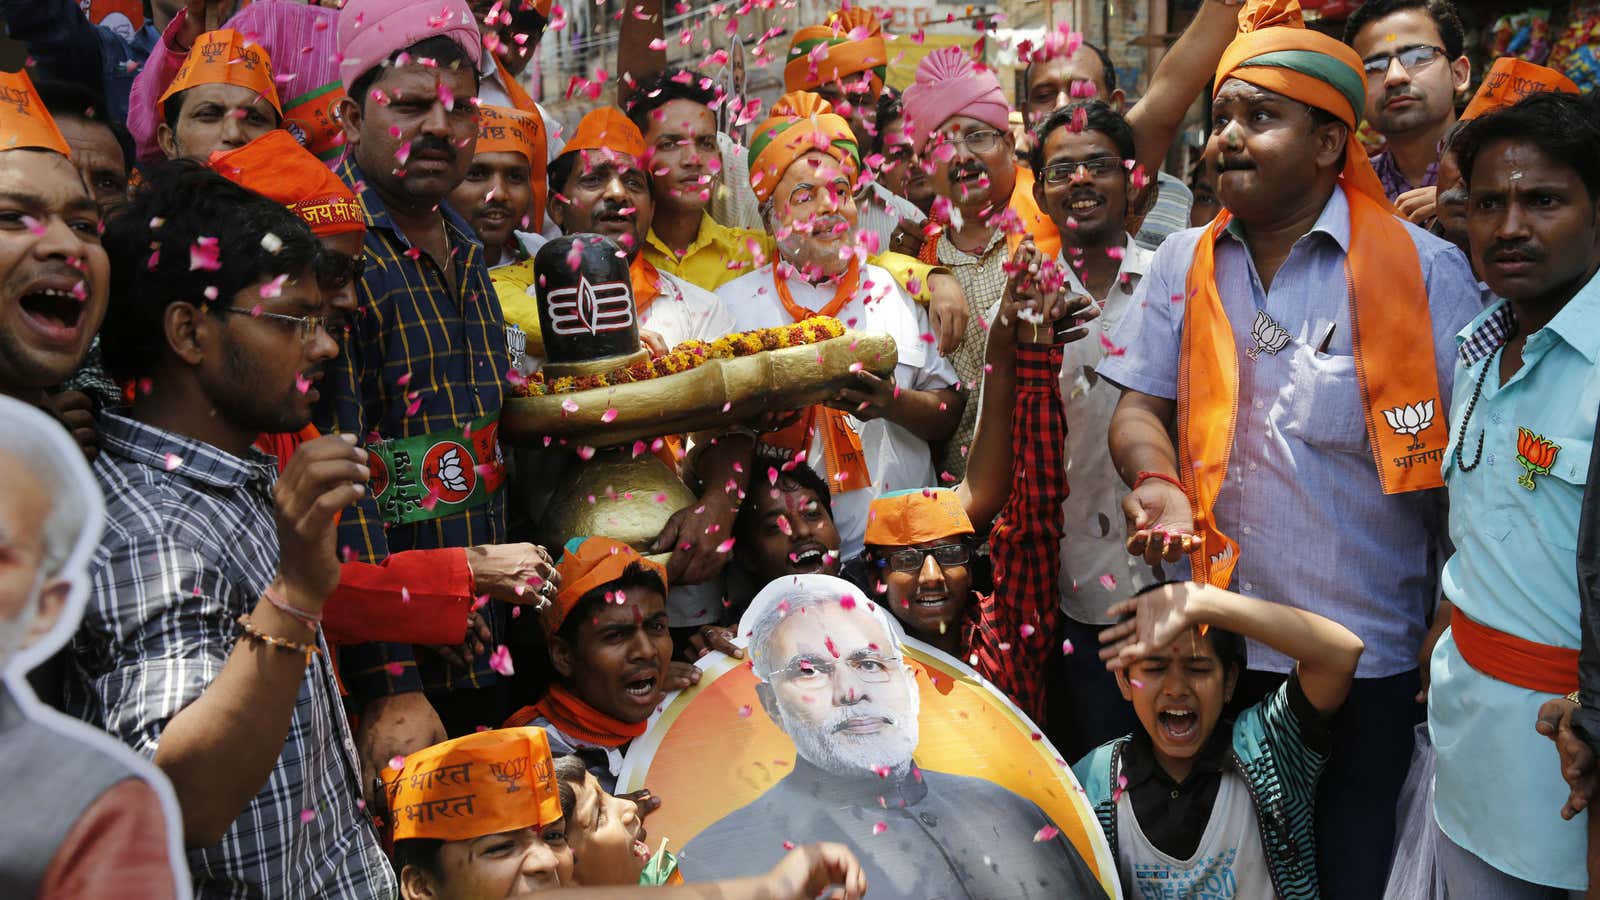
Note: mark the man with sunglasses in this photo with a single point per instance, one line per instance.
(1412, 56)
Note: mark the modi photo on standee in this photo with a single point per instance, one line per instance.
(463, 449)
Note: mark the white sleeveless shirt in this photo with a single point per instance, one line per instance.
(1229, 862)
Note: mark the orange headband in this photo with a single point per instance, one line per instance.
(24, 122)
(278, 168)
(485, 783)
(225, 56)
(915, 516)
(588, 563)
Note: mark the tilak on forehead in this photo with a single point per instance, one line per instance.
(848, 43)
(225, 56)
(1391, 325)
(24, 122)
(587, 563)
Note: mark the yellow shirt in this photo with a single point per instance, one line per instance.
(706, 262)
(511, 285)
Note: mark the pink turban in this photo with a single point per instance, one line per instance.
(370, 31)
(949, 84)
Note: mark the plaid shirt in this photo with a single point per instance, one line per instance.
(184, 554)
(417, 360)
(983, 280)
(1008, 637)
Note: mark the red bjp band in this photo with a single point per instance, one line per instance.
(1508, 658)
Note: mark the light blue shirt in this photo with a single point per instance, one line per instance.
(1498, 791)
(1302, 496)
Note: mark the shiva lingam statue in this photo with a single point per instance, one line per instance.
(603, 396)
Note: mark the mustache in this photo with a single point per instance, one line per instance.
(839, 718)
(1399, 92)
(1234, 166)
(428, 143)
(1514, 249)
(969, 168)
(612, 208)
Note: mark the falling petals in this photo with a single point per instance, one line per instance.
(205, 254)
(879, 828)
(1047, 833)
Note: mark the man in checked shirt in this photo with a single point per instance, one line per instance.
(423, 368)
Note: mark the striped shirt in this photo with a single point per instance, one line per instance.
(190, 545)
(418, 360)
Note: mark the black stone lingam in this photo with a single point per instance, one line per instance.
(585, 310)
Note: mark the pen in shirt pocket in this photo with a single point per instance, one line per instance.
(1327, 338)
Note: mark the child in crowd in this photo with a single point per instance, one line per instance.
(607, 834)
(1191, 809)
(609, 646)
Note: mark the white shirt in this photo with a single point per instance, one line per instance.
(896, 458)
(687, 312)
(880, 211)
(1094, 542)
(1230, 860)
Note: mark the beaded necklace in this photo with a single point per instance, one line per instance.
(1461, 436)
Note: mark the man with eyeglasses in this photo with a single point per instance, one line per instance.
(1412, 55)
(1083, 157)
(874, 436)
(1282, 344)
(202, 646)
(833, 676)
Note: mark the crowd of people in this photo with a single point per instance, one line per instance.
(1146, 461)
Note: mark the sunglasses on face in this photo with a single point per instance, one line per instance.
(337, 270)
(948, 556)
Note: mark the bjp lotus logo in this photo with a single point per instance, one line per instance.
(1537, 454)
(1412, 419)
(1270, 337)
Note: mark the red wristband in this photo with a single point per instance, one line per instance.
(1144, 476)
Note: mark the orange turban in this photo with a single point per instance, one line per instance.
(1509, 80)
(606, 128)
(851, 41)
(587, 563)
(915, 516)
(485, 783)
(799, 123)
(278, 168)
(502, 129)
(225, 56)
(24, 122)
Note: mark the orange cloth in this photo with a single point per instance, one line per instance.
(575, 718)
(485, 783)
(646, 284)
(24, 122)
(855, 44)
(1393, 336)
(915, 516)
(278, 168)
(225, 56)
(588, 563)
(1514, 660)
(502, 129)
(606, 128)
(843, 458)
(799, 123)
(1034, 220)
(1511, 79)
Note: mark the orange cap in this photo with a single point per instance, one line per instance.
(24, 122)
(225, 56)
(606, 128)
(915, 516)
(587, 563)
(1509, 80)
(278, 168)
(485, 783)
(502, 129)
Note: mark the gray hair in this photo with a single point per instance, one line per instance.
(42, 449)
(795, 594)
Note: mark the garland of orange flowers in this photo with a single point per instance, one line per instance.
(692, 354)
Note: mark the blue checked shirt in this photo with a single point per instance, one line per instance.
(184, 554)
(413, 342)
(1302, 497)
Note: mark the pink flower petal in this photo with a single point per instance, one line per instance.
(500, 660)
(1047, 833)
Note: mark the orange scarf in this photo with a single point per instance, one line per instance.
(843, 458)
(646, 285)
(519, 98)
(1390, 321)
(577, 719)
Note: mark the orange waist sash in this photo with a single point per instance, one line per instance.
(1514, 660)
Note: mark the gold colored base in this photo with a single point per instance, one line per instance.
(619, 496)
(720, 393)
(552, 371)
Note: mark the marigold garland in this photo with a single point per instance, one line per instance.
(691, 354)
